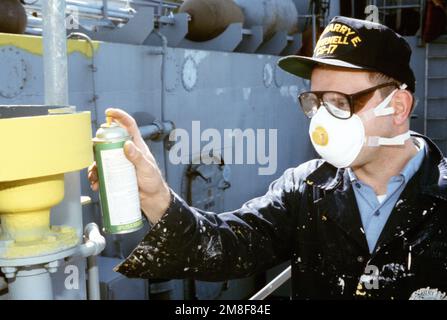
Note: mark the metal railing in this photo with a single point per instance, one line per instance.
(386, 6)
(273, 285)
(97, 13)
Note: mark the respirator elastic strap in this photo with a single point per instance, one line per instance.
(375, 141)
(383, 108)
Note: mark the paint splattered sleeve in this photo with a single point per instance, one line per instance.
(188, 242)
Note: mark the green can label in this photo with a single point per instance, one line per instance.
(118, 189)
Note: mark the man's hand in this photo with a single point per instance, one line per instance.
(154, 191)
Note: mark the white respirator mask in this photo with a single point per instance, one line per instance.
(339, 141)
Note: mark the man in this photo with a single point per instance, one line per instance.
(368, 220)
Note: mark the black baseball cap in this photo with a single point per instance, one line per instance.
(357, 44)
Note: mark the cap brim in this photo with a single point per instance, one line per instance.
(302, 66)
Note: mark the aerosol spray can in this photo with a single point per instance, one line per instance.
(118, 188)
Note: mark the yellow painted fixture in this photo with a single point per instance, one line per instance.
(36, 152)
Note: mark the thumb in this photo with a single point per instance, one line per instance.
(133, 154)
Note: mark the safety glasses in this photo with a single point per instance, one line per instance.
(338, 104)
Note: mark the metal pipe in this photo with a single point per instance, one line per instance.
(164, 43)
(56, 94)
(84, 4)
(163, 52)
(82, 18)
(160, 4)
(94, 244)
(93, 70)
(93, 287)
(421, 20)
(152, 3)
(87, 10)
(55, 53)
(33, 283)
(150, 132)
(35, 24)
(274, 284)
(99, 12)
(37, 21)
(34, 21)
(88, 14)
(100, 5)
(334, 9)
(156, 131)
(96, 12)
(33, 31)
(402, 6)
(114, 6)
(117, 13)
(399, 15)
(105, 9)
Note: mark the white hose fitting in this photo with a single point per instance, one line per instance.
(94, 241)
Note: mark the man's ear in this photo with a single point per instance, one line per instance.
(402, 103)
